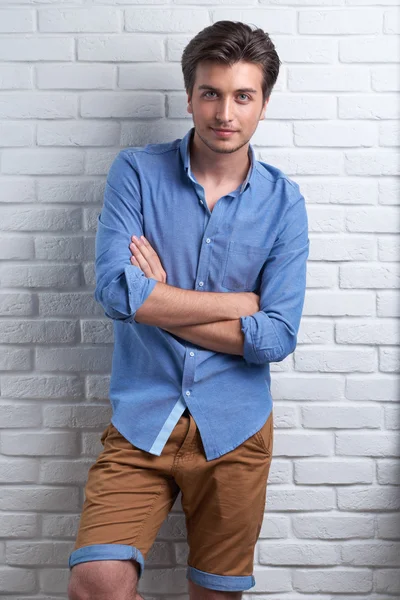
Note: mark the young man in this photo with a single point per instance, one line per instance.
(201, 263)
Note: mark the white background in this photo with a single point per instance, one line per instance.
(79, 81)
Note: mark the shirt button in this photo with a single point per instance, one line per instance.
(188, 393)
(201, 201)
(201, 283)
(191, 353)
(208, 240)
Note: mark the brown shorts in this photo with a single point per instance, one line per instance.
(130, 492)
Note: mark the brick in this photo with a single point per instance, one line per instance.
(389, 360)
(389, 248)
(391, 21)
(65, 472)
(35, 48)
(321, 416)
(59, 248)
(139, 134)
(16, 305)
(41, 498)
(18, 525)
(75, 76)
(82, 20)
(339, 134)
(373, 220)
(161, 20)
(39, 444)
(301, 499)
(379, 332)
(368, 106)
(13, 190)
(126, 105)
(99, 161)
(305, 50)
(40, 553)
(37, 219)
(64, 304)
(375, 444)
(388, 472)
(87, 416)
(387, 304)
(337, 360)
(315, 332)
(40, 276)
(17, 580)
(369, 276)
(54, 580)
(43, 161)
(290, 106)
(18, 471)
(71, 191)
(374, 554)
(325, 218)
(60, 526)
(340, 21)
(381, 162)
(38, 332)
(309, 387)
(385, 78)
(73, 359)
(335, 526)
(41, 386)
(19, 415)
(271, 20)
(389, 133)
(386, 528)
(389, 191)
(116, 48)
(97, 387)
(377, 388)
(17, 21)
(37, 106)
(332, 79)
(367, 498)
(158, 77)
(321, 276)
(15, 359)
(15, 248)
(333, 581)
(16, 134)
(96, 331)
(392, 418)
(332, 303)
(339, 248)
(15, 77)
(78, 133)
(369, 50)
(305, 162)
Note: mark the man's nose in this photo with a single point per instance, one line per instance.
(225, 111)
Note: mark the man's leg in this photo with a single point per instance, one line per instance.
(200, 593)
(102, 580)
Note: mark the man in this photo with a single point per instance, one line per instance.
(201, 263)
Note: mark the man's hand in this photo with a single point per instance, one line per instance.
(145, 257)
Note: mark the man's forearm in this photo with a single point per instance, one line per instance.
(220, 336)
(169, 306)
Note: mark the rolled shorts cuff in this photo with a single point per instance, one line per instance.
(106, 552)
(224, 583)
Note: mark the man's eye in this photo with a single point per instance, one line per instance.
(245, 98)
(208, 93)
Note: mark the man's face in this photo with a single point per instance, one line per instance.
(227, 98)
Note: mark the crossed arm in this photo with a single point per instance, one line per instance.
(222, 334)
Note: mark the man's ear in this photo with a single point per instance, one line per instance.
(264, 108)
(189, 106)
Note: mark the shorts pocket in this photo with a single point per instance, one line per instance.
(242, 267)
(105, 434)
(265, 436)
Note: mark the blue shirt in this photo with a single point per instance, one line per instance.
(254, 239)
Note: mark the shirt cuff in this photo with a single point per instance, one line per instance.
(261, 343)
(139, 287)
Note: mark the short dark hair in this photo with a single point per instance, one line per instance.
(228, 42)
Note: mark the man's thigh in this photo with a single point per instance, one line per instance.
(224, 501)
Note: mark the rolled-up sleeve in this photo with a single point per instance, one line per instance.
(121, 288)
(271, 334)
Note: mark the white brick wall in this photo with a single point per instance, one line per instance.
(78, 83)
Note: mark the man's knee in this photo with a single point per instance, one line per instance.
(103, 579)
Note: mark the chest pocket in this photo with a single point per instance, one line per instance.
(243, 264)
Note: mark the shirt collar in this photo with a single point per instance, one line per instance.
(184, 149)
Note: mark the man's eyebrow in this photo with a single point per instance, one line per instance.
(214, 89)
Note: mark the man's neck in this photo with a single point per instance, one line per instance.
(218, 169)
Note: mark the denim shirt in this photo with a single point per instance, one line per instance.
(255, 239)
